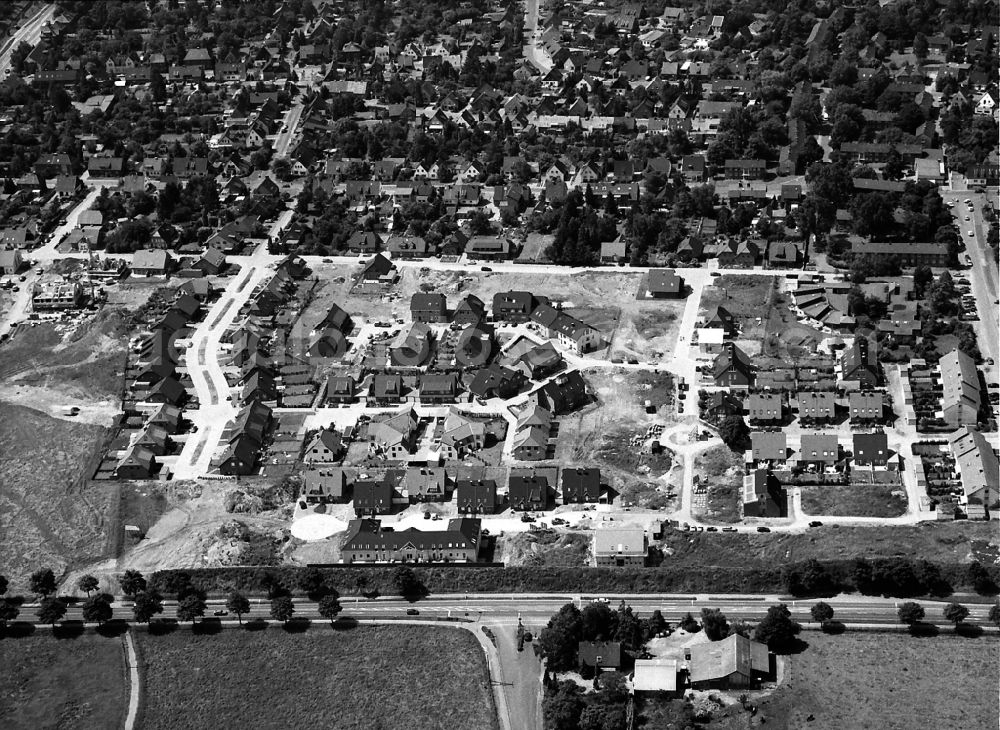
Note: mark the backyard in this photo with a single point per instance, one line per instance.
(749, 299)
(842, 682)
(854, 500)
(62, 683)
(367, 677)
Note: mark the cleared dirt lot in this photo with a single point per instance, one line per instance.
(720, 482)
(49, 513)
(856, 500)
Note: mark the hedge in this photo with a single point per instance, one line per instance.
(663, 579)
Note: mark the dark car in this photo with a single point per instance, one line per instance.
(222, 613)
(815, 523)
(763, 529)
(412, 612)
(486, 268)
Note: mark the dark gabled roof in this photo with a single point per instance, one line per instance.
(581, 483)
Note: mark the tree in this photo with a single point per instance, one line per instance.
(715, 624)
(97, 609)
(3, 584)
(329, 607)
(52, 610)
(8, 611)
(923, 275)
(599, 622)
(87, 583)
(910, 613)
(561, 636)
(689, 624)
(191, 608)
(734, 432)
(981, 580)
(43, 582)
(994, 614)
(562, 707)
(237, 603)
(407, 583)
(956, 613)
(822, 612)
(146, 605)
(132, 582)
(777, 629)
(655, 625)
(602, 717)
(311, 581)
(282, 608)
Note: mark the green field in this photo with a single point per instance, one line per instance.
(370, 677)
(69, 683)
(888, 682)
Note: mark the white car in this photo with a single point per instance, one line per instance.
(968, 218)
(970, 234)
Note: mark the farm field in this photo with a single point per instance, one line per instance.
(49, 514)
(887, 682)
(62, 683)
(368, 677)
(854, 500)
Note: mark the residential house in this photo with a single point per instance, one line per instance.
(394, 437)
(325, 448)
(476, 496)
(866, 407)
(819, 450)
(425, 484)
(871, 449)
(438, 388)
(664, 284)
(367, 542)
(765, 409)
(816, 406)
(513, 306)
(562, 394)
(763, 495)
(372, 497)
(732, 368)
(470, 311)
(859, 364)
(768, 447)
(340, 389)
(528, 493)
(961, 397)
(581, 486)
(600, 654)
(429, 307)
(745, 169)
(150, 262)
(619, 547)
(413, 347)
(386, 389)
(979, 471)
(736, 662)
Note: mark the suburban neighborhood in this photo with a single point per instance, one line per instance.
(645, 319)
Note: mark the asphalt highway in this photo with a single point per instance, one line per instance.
(534, 611)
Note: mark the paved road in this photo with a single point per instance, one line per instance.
(30, 32)
(533, 52)
(284, 139)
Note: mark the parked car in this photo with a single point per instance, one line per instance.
(712, 529)
(412, 612)
(221, 613)
(729, 529)
(815, 523)
(763, 529)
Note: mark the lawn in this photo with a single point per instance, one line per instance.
(854, 500)
(49, 513)
(888, 682)
(749, 299)
(368, 678)
(68, 683)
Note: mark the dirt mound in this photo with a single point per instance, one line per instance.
(545, 547)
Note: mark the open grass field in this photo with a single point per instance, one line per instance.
(62, 683)
(854, 500)
(370, 678)
(49, 514)
(887, 682)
